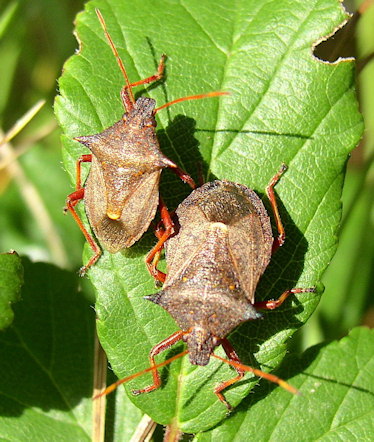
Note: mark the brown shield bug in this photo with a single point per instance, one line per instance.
(121, 191)
(222, 247)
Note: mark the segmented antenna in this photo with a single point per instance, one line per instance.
(192, 97)
(113, 386)
(115, 52)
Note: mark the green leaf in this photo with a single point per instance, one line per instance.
(365, 47)
(351, 268)
(11, 279)
(337, 402)
(46, 360)
(6, 17)
(285, 106)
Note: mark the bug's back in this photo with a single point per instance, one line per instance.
(249, 237)
(215, 260)
(121, 191)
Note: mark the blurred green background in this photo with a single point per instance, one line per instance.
(36, 38)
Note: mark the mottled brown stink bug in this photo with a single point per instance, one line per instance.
(121, 191)
(222, 246)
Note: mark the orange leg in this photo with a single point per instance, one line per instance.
(163, 345)
(163, 234)
(273, 304)
(278, 242)
(126, 93)
(159, 232)
(71, 201)
(152, 78)
(184, 176)
(181, 174)
(78, 179)
(232, 355)
(78, 167)
(259, 373)
(127, 96)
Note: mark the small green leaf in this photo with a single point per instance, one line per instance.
(337, 401)
(285, 106)
(11, 279)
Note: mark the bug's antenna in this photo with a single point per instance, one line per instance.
(192, 97)
(112, 387)
(270, 377)
(115, 52)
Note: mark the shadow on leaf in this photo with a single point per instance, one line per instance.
(47, 353)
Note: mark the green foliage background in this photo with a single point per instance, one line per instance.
(47, 352)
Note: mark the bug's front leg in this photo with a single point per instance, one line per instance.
(279, 241)
(71, 201)
(163, 234)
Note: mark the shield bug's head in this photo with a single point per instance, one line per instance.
(142, 114)
(200, 343)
